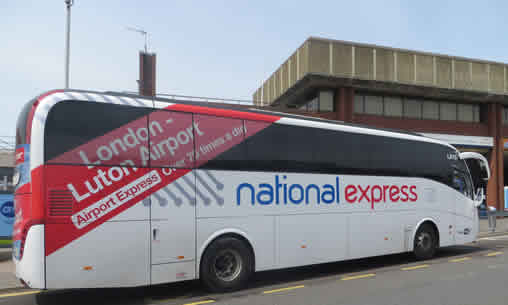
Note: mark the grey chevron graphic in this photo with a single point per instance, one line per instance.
(190, 198)
(176, 200)
(198, 192)
(208, 188)
(219, 200)
(218, 184)
(162, 201)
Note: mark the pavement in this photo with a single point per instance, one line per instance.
(7, 279)
(501, 227)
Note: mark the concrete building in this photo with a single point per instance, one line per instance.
(459, 100)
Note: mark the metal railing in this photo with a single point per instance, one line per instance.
(191, 98)
(206, 99)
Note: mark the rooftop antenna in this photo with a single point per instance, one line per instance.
(142, 32)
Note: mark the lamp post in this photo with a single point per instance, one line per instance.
(68, 3)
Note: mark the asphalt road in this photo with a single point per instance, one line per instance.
(471, 274)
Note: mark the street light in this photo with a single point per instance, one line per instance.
(68, 3)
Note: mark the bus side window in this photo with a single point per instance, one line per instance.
(88, 133)
(171, 139)
(219, 142)
(461, 183)
(278, 147)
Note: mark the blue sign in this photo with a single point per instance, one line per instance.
(6, 214)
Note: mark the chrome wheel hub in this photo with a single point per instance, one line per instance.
(424, 241)
(227, 265)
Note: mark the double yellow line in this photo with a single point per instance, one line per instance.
(415, 267)
(283, 289)
(356, 277)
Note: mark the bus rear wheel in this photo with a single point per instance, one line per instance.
(226, 265)
(425, 243)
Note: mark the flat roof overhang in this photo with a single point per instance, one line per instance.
(308, 86)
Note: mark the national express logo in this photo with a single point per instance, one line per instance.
(283, 192)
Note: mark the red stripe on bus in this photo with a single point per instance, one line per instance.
(25, 188)
(224, 113)
(93, 210)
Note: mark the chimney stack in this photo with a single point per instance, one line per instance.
(146, 80)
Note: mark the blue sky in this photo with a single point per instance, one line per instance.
(217, 48)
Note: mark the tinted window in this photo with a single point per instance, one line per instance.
(97, 133)
(281, 148)
(219, 142)
(476, 173)
(461, 183)
(171, 139)
(274, 147)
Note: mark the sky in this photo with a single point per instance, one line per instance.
(217, 48)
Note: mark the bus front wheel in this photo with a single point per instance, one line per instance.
(226, 265)
(425, 243)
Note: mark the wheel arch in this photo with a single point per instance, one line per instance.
(432, 223)
(232, 232)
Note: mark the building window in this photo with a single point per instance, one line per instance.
(412, 109)
(393, 106)
(448, 112)
(312, 106)
(430, 110)
(322, 103)
(374, 104)
(465, 113)
(325, 101)
(359, 104)
(505, 115)
(476, 113)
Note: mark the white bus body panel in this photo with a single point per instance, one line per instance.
(173, 236)
(286, 235)
(116, 251)
(466, 220)
(312, 239)
(258, 230)
(31, 267)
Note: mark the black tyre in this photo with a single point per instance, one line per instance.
(226, 265)
(425, 243)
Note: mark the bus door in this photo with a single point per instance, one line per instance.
(172, 208)
(464, 207)
(480, 173)
(470, 182)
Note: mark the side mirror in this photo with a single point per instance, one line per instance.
(479, 197)
(482, 162)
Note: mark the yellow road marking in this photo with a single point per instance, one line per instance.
(415, 267)
(283, 289)
(200, 302)
(458, 260)
(355, 277)
(494, 253)
(19, 293)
